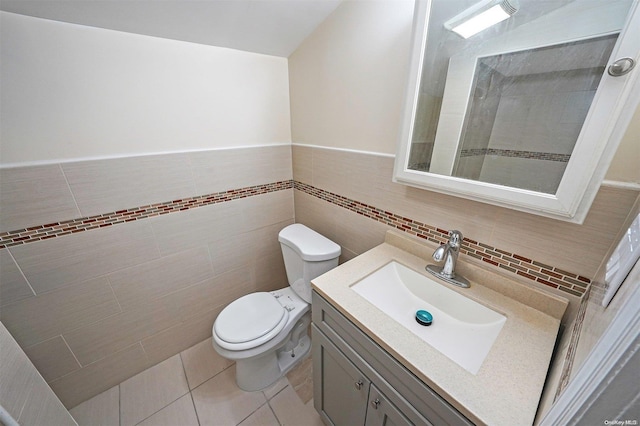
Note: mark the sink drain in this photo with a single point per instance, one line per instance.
(424, 318)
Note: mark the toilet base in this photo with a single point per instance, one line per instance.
(254, 374)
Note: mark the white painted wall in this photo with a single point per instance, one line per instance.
(348, 78)
(624, 166)
(70, 92)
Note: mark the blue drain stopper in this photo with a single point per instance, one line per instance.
(424, 318)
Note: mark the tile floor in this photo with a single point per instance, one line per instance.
(197, 387)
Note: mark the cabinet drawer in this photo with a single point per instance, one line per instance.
(400, 385)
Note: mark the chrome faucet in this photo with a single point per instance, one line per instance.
(449, 253)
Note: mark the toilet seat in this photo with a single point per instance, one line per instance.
(250, 321)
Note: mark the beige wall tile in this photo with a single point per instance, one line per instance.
(100, 376)
(242, 250)
(180, 337)
(139, 284)
(212, 293)
(202, 362)
(331, 171)
(219, 401)
(369, 180)
(17, 375)
(31, 196)
(267, 209)
(232, 252)
(266, 239)
(48, 315)
(97, 185)
(151, 390)
(102, 409)
(24, 394)
(214, 223)
(13, 285)
(302, 158)
(358, 233)
(180, 412)
(57, 262)
(269, 273)
(98, 340)
(475, 220)
(221, 170)
(52, 358)
(574, 248)
(316, 214)
(353, 232)
(197, 227)
(43, 407)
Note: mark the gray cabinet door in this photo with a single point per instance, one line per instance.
(381, 412)
(344, 389)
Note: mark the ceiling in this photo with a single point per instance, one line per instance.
(272, 27)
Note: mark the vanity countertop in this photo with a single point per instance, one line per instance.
(507, 388)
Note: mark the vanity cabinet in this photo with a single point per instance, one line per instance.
(356, 382)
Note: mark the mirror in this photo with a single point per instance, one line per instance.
(523, 114)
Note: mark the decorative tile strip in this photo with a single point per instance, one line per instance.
(573, 344)
(531, 155)
(58, 229)
(536, 271)
(545, 274)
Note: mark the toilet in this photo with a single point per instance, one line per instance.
(265, 333)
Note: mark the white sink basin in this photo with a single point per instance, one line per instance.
(462, 329)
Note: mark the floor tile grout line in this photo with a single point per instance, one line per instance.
(171, 402)
(193, 403)
(215, 375)
(157, 411)
(266, 401)
(195, 410)
(119, 405)
(271, 408)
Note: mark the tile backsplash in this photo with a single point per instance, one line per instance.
(98, 288)
(536, 271)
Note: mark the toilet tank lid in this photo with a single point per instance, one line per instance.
(308, 243)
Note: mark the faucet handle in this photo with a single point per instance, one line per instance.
(455, 237)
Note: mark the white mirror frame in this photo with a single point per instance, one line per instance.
(613, 107)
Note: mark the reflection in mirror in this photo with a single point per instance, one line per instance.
(526, 111)
(525, 108)
(523, 113)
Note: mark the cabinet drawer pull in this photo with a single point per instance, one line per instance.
(359, 384)
(375, 403)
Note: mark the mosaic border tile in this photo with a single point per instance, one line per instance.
(570, 356)
(568, 282)
(532, 155)
(58, 229)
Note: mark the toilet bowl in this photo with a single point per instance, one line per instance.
(266, 333)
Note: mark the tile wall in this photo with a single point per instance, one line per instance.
(559, 256)
(111, 266)
(98, 288)
(24, 395)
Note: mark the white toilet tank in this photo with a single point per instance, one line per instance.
(307, 255)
